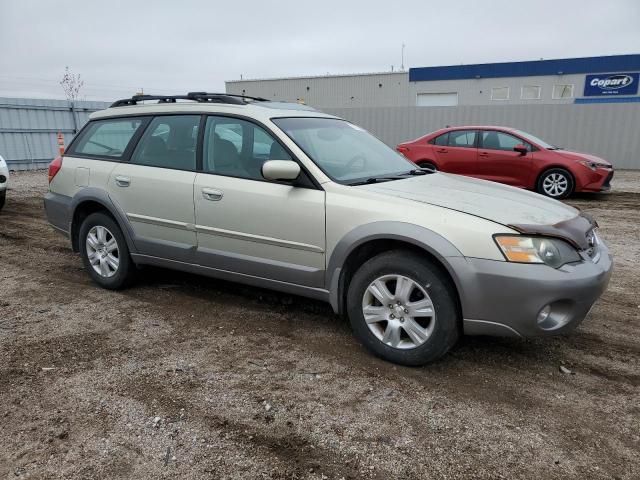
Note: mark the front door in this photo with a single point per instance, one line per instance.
(251, 226)
(499, 162)
(155, 188)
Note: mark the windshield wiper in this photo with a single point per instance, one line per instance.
(378, 179)
(388, 178)
(420, 171)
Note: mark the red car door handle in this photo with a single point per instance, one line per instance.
(484, 154)
(442, 150)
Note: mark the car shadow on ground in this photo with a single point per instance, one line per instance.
(481, 350)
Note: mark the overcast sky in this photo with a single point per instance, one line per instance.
(177, 46)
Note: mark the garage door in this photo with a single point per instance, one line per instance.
(437, 99)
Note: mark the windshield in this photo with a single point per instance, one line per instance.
(536, 140)
(345, 152)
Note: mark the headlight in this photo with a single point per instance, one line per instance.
(593, 165)
(550, 251)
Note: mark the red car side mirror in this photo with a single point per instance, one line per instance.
(521, 148)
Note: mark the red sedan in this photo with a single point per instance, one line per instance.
(510, 156)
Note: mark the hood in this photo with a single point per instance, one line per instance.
(581, 156)
(492, 201)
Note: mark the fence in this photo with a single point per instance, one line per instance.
(29, 127)
(610, 131)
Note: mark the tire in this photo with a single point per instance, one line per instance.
(3, 198)
(555, 183)
(425, 164)
(104, 230)
(439, 329)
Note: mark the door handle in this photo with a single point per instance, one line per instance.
(122, 181)
(212, 194)
(442, 150)
(484, 154)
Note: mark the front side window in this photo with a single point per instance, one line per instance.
(492, 140)
(238, 148)
(106, 138)
(462, 138)
(169, 142)
(345, 152)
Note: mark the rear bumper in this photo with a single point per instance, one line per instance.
(505, 299)
(58, 208)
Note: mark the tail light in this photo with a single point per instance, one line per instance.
(402, 150)
(54, 168)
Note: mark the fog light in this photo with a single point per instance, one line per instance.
(3, 179)
(544, 314)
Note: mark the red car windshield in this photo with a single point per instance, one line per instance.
(536, 140)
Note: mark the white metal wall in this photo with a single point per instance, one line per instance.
(610, 131)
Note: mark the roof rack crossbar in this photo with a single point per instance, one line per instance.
(195, 96)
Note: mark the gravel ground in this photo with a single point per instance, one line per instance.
(187, 377)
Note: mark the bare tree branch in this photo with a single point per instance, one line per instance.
(71, 83)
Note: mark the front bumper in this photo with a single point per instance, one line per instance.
(598, 181)
(505, 299)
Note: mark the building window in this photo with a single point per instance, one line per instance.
(500, 93)
(562, 91)
(530, 92)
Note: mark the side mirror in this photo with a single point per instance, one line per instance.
(280, 170)
(521, 148)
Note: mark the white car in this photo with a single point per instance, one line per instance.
(4, 181)
(285, 197)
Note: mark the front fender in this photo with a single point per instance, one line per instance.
(428, 240)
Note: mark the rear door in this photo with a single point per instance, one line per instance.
(155, 188)
(456, 152)
(499, 162)
(247, 224)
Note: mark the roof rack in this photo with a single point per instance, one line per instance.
(194, 96)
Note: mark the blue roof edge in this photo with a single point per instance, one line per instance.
(565, 66)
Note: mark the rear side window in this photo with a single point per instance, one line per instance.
(442, 140)
(106, 138)
(169, 142)
(462, 138)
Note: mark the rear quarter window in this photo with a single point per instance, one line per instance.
(441, 140)
(106, 138)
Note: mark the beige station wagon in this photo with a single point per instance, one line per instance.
(282, 196)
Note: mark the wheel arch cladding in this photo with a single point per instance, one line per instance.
(93, 200)
(366, 241)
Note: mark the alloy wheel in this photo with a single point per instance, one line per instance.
(555, 184)
(102, 251)
(398, 311)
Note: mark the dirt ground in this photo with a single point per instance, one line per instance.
(187, 377)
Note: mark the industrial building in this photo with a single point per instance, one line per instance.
(514, 83)
(588, 104)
